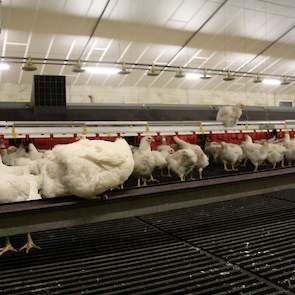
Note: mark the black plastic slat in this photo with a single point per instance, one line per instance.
(256, 234)
(120, 257)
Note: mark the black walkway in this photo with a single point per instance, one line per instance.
(243, 246)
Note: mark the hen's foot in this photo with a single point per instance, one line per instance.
(182, 178)
(119, 187)
(29, 244)
(233, 168)
(153, 180)
(225, 167)
(8, 247)
(104, 197)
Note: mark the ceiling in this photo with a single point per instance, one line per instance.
(154, 31)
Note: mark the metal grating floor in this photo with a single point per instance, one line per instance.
(243, 246)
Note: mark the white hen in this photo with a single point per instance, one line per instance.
(230, 154)
(144, 161)
(159, 160)
(17, 188)
(52, 173)
(254, 152)
(164, 150)
(275, 153)
(91, 167)
(289, 144)
(229, 115)
(182, 162)
(10, 154)
(13, 170)
(202, 159)
(212, 149)
(19, 156)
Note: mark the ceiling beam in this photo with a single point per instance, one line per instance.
(94, 28)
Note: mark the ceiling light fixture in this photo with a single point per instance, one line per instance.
(285, 81)
(205, 75)
(124, 70)
(228, 77)
(4, 66)
(153, 71)
(29, 66)
(271, 82)
(179, 73)
(193, 76)
(257, 78)
(77, 68)
(102, 70)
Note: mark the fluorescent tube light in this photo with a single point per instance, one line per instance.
(4, 66)
(271, 82)
(193, 76)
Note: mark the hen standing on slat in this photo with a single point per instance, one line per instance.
(144, 161)
(202, 159)
(289, 144)
(254, 152)
(182, 162)
(230, 154)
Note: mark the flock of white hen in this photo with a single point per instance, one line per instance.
(181, 160)
(273, 151)
(88, 168)
(85, 168)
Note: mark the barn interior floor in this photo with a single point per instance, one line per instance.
(240, 246)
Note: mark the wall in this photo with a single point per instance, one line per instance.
(79, 94)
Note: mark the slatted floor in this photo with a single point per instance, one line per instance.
(243, 246)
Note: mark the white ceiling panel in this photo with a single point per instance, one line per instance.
(15, 50)
(152, 32)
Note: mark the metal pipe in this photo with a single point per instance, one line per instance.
(140, 66)
(94, 28)
(195, 33)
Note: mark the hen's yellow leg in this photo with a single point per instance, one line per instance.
(29, 244)
(256, 168)
(225, 166)
(8, 247)
(200, 173)
(138, 182)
